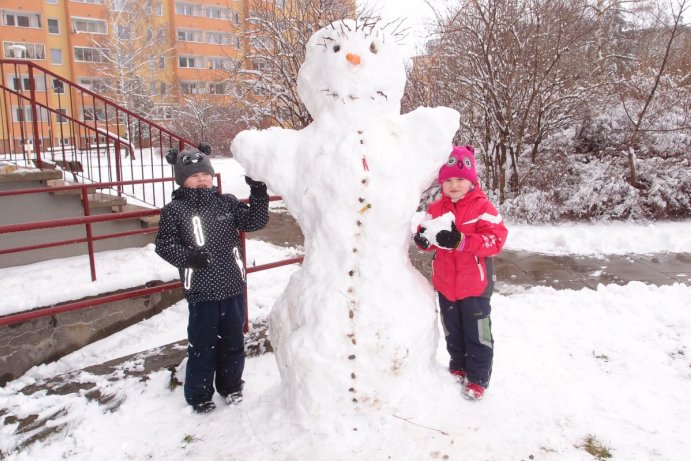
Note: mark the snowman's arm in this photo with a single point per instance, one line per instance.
(429, 131)
(266, 155)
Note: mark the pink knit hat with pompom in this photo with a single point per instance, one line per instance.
(461, 164)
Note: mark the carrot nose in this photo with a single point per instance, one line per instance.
(353, 58)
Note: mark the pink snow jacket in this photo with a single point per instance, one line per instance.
(464, 271)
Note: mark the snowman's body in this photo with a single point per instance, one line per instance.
(356, 323)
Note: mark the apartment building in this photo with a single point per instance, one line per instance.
(188, 46)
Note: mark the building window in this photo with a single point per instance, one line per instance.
(24, 114)
(21, 19)
(21, 50)
(193, 87)
(217, 88)
(53, 26)
(94, 2)
(91, 114)
(56, 56)
(216, 63)
(96, 85)
(219, 38)
(188, 9)
(195, 62)
(123, 31)
(52, 2)
(118, 5)
(59, 116)
(84, 54)
(154, 7)
(217, 13)
(185, 35)
(163, 112)
(22, 83)
(58, 86)
(89, 26)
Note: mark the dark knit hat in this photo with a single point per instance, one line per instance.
(190, 161)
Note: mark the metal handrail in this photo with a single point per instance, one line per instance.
(118, 127)
(88, 220)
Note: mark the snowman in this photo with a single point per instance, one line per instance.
(355, 329)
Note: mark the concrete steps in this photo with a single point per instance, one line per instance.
(61, 205)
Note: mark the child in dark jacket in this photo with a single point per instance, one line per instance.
(462, 269)
(198, 234)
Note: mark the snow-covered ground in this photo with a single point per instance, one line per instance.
(610, 365)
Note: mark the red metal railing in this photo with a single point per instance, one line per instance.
(87, 220)
(53, 122)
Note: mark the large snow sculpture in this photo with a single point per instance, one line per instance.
(355, 328)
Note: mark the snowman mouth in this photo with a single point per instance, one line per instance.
(335, 95)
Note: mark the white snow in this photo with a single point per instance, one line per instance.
(612, 364)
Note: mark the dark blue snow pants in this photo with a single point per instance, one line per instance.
(468, 331)
(216, 346)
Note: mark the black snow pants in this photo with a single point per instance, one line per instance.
(468, 333)
(216, 346)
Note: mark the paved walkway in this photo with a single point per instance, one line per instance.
(533, 269)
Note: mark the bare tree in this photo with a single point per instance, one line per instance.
(132, 54)
(660, 41)
(201, 119)
(277, 33)
(515, 70)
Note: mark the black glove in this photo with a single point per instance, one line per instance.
(255, 186)
(449, 239)
(421, 240)
(199, 259)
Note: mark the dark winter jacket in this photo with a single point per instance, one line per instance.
(467, 271)
(199, 219)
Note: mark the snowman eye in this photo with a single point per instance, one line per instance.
(373, 48)
(337, 48)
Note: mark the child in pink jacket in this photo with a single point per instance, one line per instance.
(462, 269)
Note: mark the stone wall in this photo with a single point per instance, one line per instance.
(46, 339)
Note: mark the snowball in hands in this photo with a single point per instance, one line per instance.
(434, 226)
(355, 328)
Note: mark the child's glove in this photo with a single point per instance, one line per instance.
(255, 186)
(449, 239)
(199, 259)
(420, 239)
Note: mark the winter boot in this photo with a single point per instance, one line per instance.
(204, 407)
(461, 375)
(473, 391)
(233, 398)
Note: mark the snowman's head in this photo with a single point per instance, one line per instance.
(351, 67)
